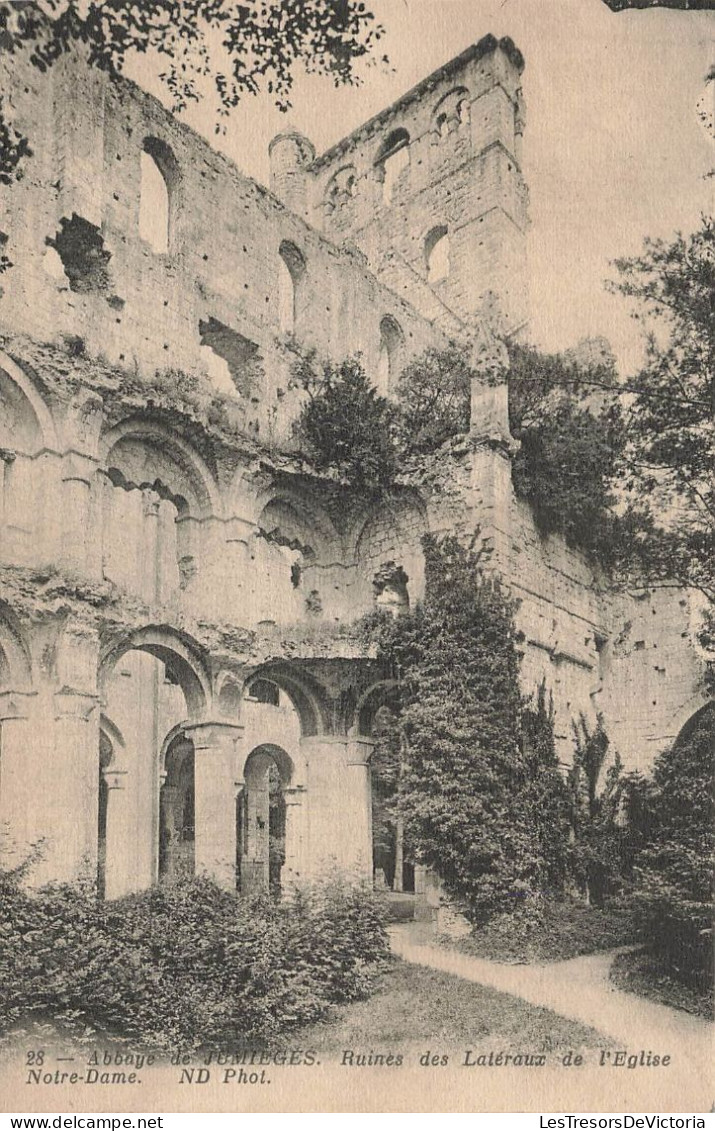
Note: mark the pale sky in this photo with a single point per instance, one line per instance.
(614, 149)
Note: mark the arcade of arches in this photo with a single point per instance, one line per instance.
(182, 688)
(179, 692)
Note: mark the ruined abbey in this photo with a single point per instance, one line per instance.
(181, 688)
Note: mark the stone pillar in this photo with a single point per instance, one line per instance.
(77, 474)
(340, 808)
(74, 780)
(295, 843)
(118, 873)
(150, 545)
(236, 566)
(359, 814)
(216, 784)
(208, 596)
(20, 779)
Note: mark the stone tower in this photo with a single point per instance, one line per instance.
(431, 190)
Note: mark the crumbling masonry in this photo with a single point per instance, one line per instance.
(180, 685)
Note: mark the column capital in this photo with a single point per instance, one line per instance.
(360, 749)
(15, 704)
(207, 735)
(294, 794)
(114, 779)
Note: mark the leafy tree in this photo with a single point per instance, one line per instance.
(674, 892)
(434, 396)
(461, 714)
(346, 426)
(240, 48)
(545, 795)
(596, 804)
(667, 462)
(570, 433)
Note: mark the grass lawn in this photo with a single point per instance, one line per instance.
(561, 930)
(414, 1007)
(639, 973)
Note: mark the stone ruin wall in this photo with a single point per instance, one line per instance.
(461, 129)
(117, 516)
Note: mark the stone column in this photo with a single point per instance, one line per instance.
(295, 803)
(118, 873)
(216, 784)
(20, 779)
(359, 753)
(150, 545)
(72, 845)
(77, 474)
(235, 567)
(340, 807)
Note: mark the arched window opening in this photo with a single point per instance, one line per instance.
(452, 111)
(261, 820)
(437, 254)
(158, 180)
(391, 339)
(291, 272)
(177, 813)
(392, 160)
(341, 187)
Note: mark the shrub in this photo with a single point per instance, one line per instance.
(570, 443)
(549, 930)
(465, 768)
(183, 966)
(674, 875)
(434, 396)
(345, 426)
(595, 798)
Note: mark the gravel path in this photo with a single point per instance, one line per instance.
(578, 988)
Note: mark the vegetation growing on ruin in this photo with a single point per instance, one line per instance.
(346, 427)
(569, 431)
(184, 967)
(674, 879)
(471, 774)
(434, 394)
(471, 791)
(667, 459)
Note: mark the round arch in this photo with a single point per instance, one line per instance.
(700, 715)
(176, 462)
(378, 695)
(260, 759)
(306, 695)
(684, 721)
(180, 655)
(15, 659)
(310, 515)
(451, 108)
(42, 424)
(112, 733)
